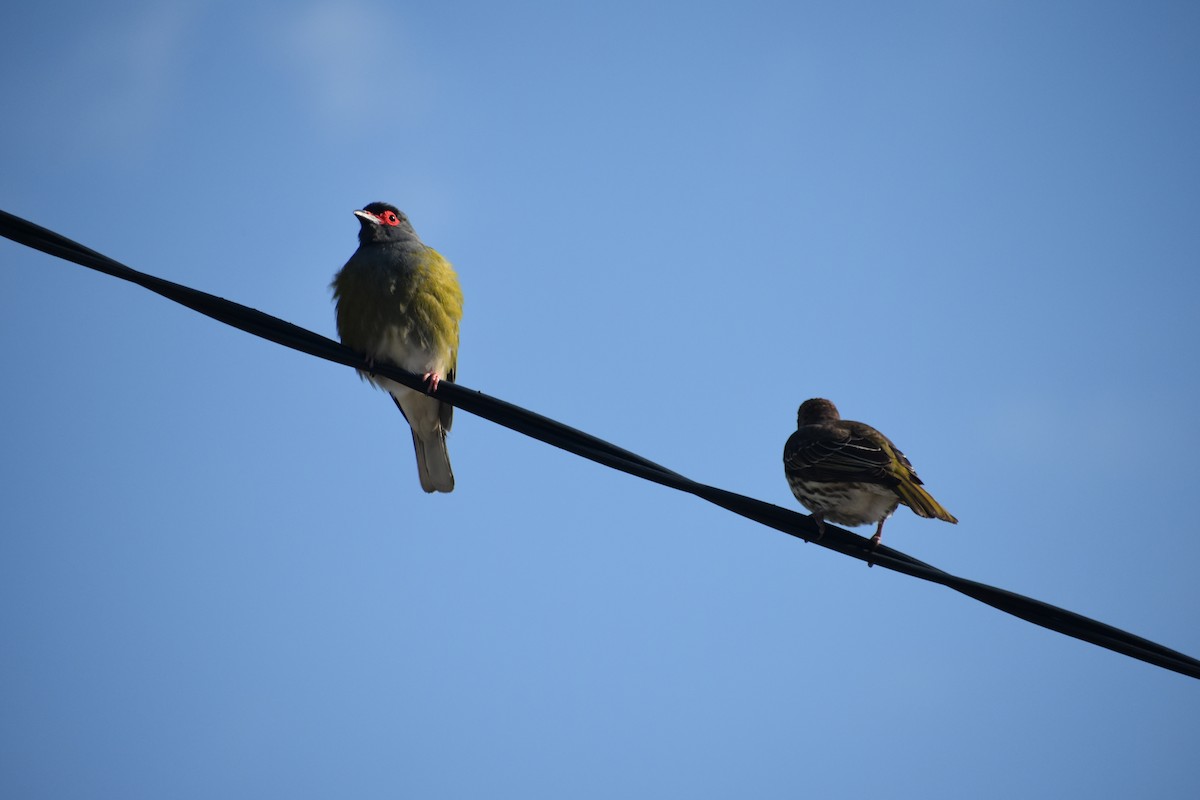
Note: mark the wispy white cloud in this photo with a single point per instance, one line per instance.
(126, 73)
(97, 85)
(349, 60)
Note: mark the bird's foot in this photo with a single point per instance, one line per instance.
(820, 520)
(432, 379)
(875, 543)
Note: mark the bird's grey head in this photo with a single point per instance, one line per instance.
(382, 223)
(818, 409)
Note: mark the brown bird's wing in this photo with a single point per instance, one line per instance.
(854, 451)
(828, 453)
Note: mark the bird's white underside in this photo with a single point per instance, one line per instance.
(421, 410)
(856, 503)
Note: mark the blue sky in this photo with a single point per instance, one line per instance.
(970, 224)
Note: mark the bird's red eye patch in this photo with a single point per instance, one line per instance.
(389, 218)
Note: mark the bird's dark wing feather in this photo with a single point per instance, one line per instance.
(840, 457)
(446, 412)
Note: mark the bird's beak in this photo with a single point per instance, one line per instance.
(368, 216)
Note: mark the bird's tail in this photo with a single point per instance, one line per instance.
(433, 462)
(922, 502)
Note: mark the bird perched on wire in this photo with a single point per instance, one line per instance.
(399, 302)
(849, 473)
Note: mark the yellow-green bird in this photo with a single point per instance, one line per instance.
(849, 473)
(399, 302)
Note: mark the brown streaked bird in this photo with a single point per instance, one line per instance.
(849, 473)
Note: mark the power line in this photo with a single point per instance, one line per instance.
(587, 446)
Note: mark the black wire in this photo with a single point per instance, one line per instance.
(589, 447)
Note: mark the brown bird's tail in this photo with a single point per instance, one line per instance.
(922, 502)
(433, 463)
